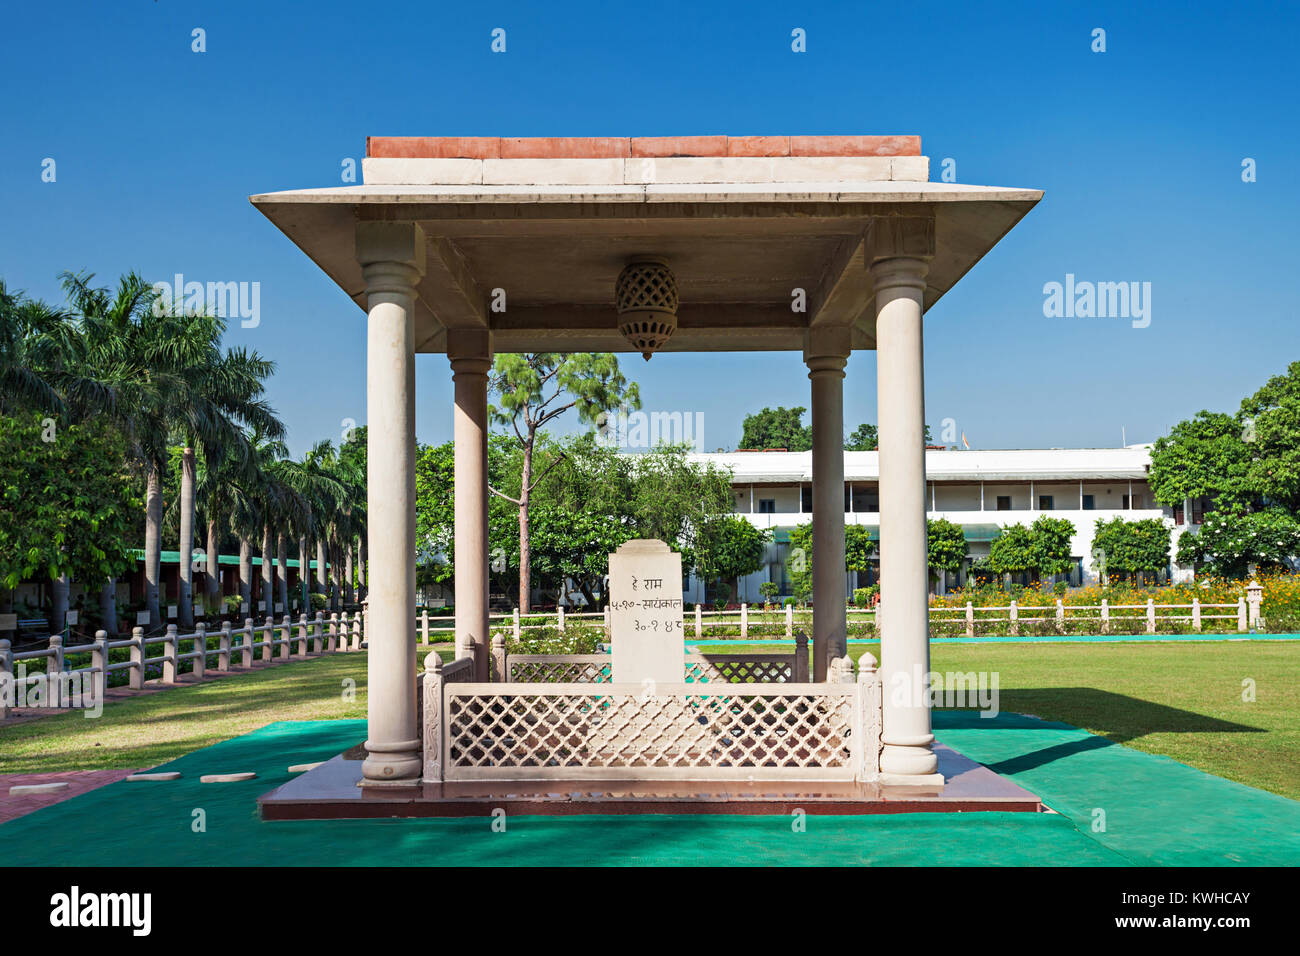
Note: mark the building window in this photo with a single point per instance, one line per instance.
(1004, 502)
(805, 499)
(767, 506)
(1044, 502)
(1089, 503)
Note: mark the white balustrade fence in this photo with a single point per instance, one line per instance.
(163, 653)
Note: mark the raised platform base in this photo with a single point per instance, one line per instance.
(330, 792)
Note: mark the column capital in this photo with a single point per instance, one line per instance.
(826, 349)
(895, 237)
(391, 256)
(469, 350)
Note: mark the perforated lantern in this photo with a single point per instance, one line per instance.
(646, 299)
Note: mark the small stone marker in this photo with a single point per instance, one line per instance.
(171, 611)
(141, 617)
(304, 767)
(74, 617)
(226, 777)
(28, 788)
(645, 590)
(162, 775)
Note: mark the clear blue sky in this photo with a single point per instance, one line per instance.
(1139, 150)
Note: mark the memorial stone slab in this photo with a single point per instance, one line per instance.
(645, 588)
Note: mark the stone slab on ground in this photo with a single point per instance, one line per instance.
(79, 782)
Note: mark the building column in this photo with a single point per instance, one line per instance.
(470, 353)
(825, 354)
(898, 251)
(392, 260)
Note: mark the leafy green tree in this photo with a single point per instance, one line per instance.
(1228, 543)
(1271, 432)
(1130, 548)
(728, 547)
(864, 438)
(1051, 543)
(859, 549)
(1012, 552)
(777, 428)
(1203, 457)
(536, 388)
(945, 545)
(67, 503)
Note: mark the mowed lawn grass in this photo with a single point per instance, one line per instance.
(1183, 700)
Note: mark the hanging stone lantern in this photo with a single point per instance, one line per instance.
(646, 298)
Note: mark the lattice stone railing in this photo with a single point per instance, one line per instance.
(558, 668)
(712, 731)
(697, 668)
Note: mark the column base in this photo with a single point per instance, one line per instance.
(396, 765)
(930, 780)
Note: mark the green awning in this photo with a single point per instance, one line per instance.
(174, 557)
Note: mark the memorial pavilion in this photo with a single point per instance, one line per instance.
(474, 246)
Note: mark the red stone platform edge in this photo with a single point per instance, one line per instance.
(330, 792)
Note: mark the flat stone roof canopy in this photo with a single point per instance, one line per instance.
(742, 221)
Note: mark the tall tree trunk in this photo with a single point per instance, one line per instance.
(59, 588)
(212, 579)
(336, 578)
(108, 605)
(525, 544)
(246, 575)
(185, 588)
(362, 587)
(152, 543)
(268, 567)
(282, 555)
(348, 594)
(321, 584)
(304, 575)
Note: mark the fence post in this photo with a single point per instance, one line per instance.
(559, 611)
(744, 620)
(424, 626)
(432, 729)
(699, 621)
(302, 635)
(7, 690)
(1241, 614)
(6, 678)
(789, 623)
(1013, 618)
(170, 648)
(247, 654)
(334, 633)
(1196, 614)
(286, 637)
(318, 642)
(223, 648)
(268, 639)
(201, 645)
(99, 661)
(1254, 598)
(1105, 616)
(1151, 615)
(516, 624)
(358, 626)
(499, 671)
(970, 619)
(1060, 616)
(609, 632)
(801, 658)
(53, 670)
(137, 658)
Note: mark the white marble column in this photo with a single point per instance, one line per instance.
(392, 260)
(825, 354)
(470, 353)
(898, 251)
